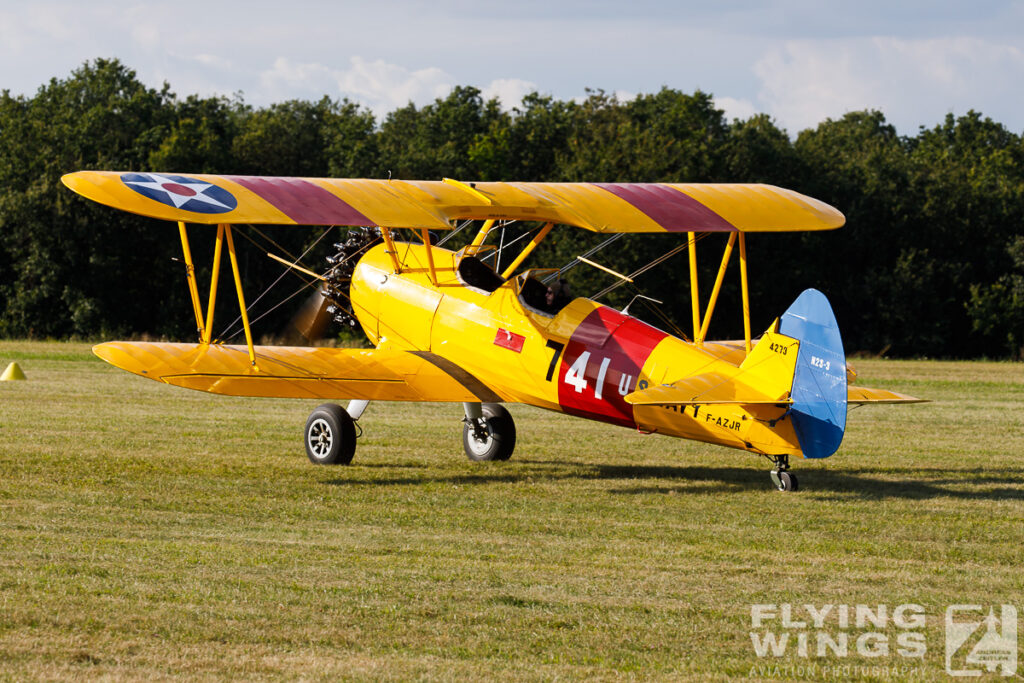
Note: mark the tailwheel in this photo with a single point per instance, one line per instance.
(330, 436)
(783, 479)
(490, 434)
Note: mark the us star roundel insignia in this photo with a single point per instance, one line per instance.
(181, 192)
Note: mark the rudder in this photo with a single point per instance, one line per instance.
(819, 381)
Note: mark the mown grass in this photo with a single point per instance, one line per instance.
(150, 533)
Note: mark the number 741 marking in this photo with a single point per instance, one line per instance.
(576, 375)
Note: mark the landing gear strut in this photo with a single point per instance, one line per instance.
(783, 479)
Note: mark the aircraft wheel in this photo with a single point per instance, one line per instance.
(785, 481)
(330, 436)
(498, 437)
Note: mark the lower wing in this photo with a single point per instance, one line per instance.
(301, 372)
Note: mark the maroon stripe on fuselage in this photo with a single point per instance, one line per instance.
(669, 208)
(626, 343)
(302, 201)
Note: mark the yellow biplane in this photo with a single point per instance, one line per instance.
(448, 326)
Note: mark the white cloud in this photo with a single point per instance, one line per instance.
(214, 61)
(734, 108)
(145, 30)
(915, 60)
(509, 91)
(805, 82)
(620, 95)
(381, 86)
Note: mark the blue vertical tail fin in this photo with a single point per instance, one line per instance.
(819, 381)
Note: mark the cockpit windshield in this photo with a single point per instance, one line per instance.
(476, 274)
(547, 299)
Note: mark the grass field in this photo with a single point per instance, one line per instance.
(148, 532)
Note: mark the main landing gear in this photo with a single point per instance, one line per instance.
(330, 435)
(488, 432)
(783, 479)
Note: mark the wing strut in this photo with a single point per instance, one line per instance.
(481, 236)
(717, 288)
(241, 296)
(527, 250)
(691, 248)
(214, 279)
(700, 328)
(746, 292)
(190, 274)
(206, 331)
(425, 235)
(391, 248)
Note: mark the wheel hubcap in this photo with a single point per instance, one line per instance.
(320, 438)
(477, 445)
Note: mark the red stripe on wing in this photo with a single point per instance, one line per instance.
(669, 208)
(302, 201)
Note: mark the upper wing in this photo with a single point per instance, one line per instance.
(601, 207)
(300, 372)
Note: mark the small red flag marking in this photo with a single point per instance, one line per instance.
(509, 340)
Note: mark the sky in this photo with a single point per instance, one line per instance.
(798, 61)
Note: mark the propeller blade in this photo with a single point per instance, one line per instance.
(309, 324)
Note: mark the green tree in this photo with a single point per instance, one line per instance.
(931, 261)
(758, 151)
(351, 138)
(997, 310)
(436, 141)
(665, 137)
(200, 137)
(525, 145)
(858, 164)
(286, 139)
(76, 267)
(668, 136)
(967, 204)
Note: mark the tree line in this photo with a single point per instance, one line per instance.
(930, 262)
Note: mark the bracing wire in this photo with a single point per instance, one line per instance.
(518, 239)
(654, 308)
(454, 232)
(230, 327)
(640, 271)
(306, 285)
(276, 245)
(501, 247)
(575, 262)
(273, 308)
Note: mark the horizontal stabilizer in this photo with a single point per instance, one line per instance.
(865, 395)
(707, 389)
(300, 372)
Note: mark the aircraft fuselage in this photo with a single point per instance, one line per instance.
(583, 359)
